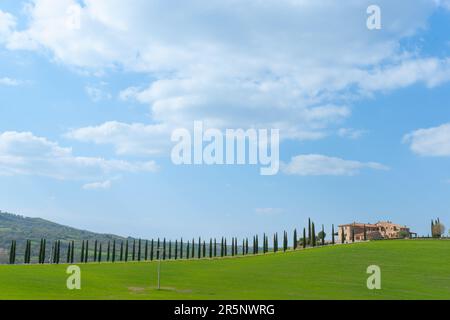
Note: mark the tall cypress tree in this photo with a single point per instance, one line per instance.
(114, 251)
(170, 249)
(69, 248)
(332, 234)
(157, 249)
(126, 250)
(86, 254)
(176, 249)
(181, 248)
(11, 252)
(82, 253)
(225, 247)
(323, 235)
(164, 249)
(146, 250)
(215, 247)
(193, 249)
(313, 234)
(100, 253)
(210, 247)
(304, 238)
(139, 250)
(309, 232)
(59, 252)
(121, 251)
(342, 235)
(72, 252)
(295, 240)
(353, 234)
(188, 249)
(151, 250)
(199, 248)
(108, 253)
(133, 254)
(95, 250)
(365, 233)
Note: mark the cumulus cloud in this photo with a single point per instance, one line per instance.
(22, 153)
(291, 65)
(127, 139)
(320, 165)
(432, 142)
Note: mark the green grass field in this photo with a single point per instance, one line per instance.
(411, 269)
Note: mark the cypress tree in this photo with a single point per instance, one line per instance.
(176, 249)
(139, 250)
(126, 250)
(193, 249)
(170, 249)
(69, 248)
(215, 247)
(210, 247)
(164, 249)
(151, 250)
(304, 238)
(365, 233)
(44, 252)
(11, 252)
(225, 247)
(86, 252)
(121, 251)
(313, 234)
(133, 255)
(158, 245)
(221, 248)
(108, 253)
(114, 251)
(146, 250)
(204, 249)
(342, 235)
(246, 246)
(353, 234)
(199, 248)
(295, 239)
(181, 248)
(59, 252)
(332, 234)
(100, 253)
(323, 236)
(188, 250)
(95, 250)
(72, 252)
(82, 253)
(309, 232)
(25, 256)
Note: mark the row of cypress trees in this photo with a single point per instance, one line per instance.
(139, 249)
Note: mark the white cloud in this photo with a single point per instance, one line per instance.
(9, 82)
(320, 165)
(98, 185)
(97, 94)
(22, 153)
(351, 133)
(134, 139)
(7, 24)
(433, 142)
(292, 65)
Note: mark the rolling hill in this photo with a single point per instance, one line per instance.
(19, 228)
(410, 269)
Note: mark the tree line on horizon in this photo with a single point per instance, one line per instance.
(149, 250)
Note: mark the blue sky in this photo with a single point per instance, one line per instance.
(91, 90)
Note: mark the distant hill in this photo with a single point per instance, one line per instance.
(19, 228)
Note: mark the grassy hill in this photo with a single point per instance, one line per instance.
(15, 227)
(411, 269)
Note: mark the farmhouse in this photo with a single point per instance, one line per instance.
(379, 230)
